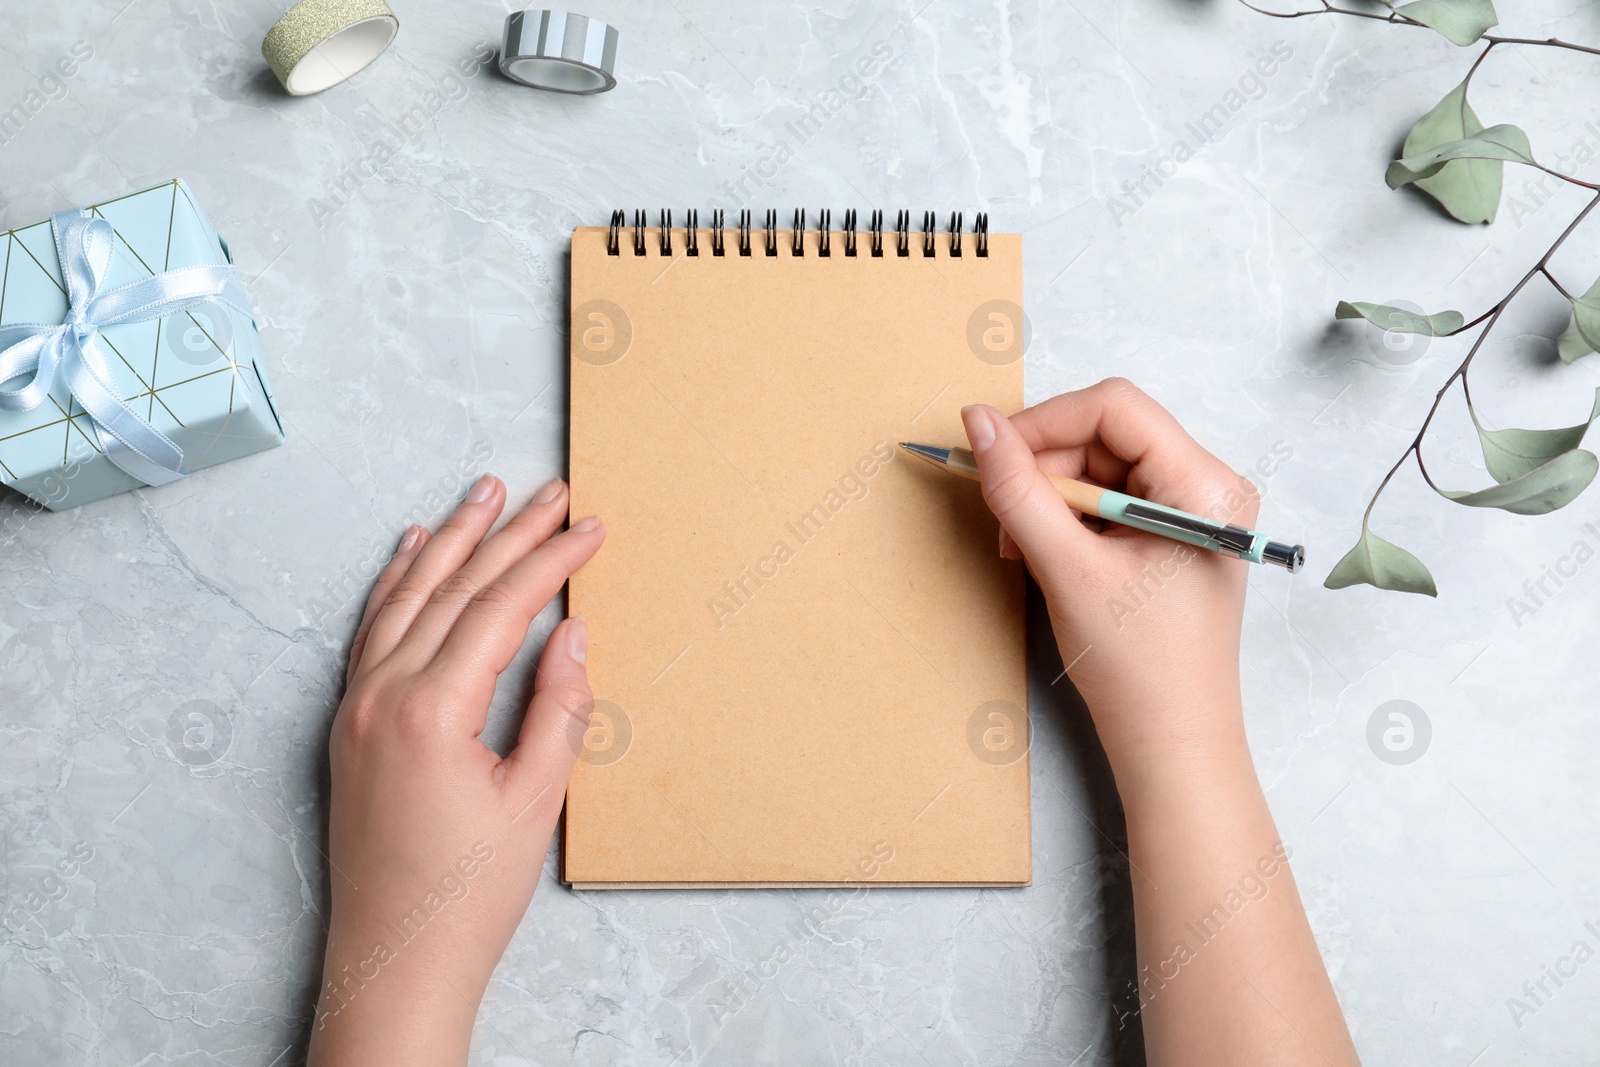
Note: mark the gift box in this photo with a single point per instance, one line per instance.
(128, 351)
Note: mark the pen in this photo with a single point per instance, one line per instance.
(1140, 514)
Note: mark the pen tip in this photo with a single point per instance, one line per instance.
(929, 452)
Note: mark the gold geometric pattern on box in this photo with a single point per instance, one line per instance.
(195, 375)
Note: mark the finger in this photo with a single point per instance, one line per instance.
(494, 626)
(527, 530)
(1092, 462)
(404, 556)
(1017, 491)
(1104, 467)
(1113, 410)
(1008, 547)
(1133, 428)
(552, 732)
(442, 556)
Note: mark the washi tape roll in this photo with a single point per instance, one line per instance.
(560, 51)
(319, 43)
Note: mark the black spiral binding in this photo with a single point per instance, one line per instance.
(797, 246)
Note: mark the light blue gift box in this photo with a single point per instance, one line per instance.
(197, 376)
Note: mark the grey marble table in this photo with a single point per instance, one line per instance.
(403, 237)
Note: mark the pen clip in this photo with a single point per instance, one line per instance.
(1234, 540)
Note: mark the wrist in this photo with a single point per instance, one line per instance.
(1177, 749)
(382, 1002)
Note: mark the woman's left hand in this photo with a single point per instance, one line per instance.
(435, 842)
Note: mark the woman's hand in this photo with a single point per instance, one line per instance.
(435, 842)
(1149, 627)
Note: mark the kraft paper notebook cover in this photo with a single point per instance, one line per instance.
(806, 654)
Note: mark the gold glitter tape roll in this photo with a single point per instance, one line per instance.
(319, 43)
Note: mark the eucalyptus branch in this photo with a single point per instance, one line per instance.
(1493, 317)
(1551, 278)
(1464, 327)
(1450, 155)
(1567, 178)
(1476, 63)
(1329, 9)
(1397, 19)
(1548, 42)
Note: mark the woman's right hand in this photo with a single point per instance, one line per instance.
(1149, 630)
(1148, 627)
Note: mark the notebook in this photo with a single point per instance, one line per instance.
(806, 653)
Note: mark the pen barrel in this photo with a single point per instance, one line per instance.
(1224, 537)
(1080, 496)
(1181, 526)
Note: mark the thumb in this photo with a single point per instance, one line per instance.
(1029, 507)
(552, 732)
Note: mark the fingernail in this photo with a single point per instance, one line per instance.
(980, 428)
(578, 638)
(409, 541)
(482, 491)
(551, 490)
(586, 525)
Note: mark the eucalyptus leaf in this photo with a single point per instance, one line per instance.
(1467, 188)
(1462, 21)
(1511, 453)
(1374, 561)
(1505, 142)
(1398, 320)
(1571, 345)
(1582, 334)
(1548, 487)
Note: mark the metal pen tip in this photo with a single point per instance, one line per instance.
(938, 455)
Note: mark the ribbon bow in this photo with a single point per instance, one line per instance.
(73, 347)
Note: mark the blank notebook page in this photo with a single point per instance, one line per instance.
(806, 654)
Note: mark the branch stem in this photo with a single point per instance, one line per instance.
(1551, 278)
(1493, 317)
(1548, 42)
(1476, 63)
(1397, 19)
(1567, 177)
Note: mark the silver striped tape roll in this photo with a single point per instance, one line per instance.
(560, 51)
